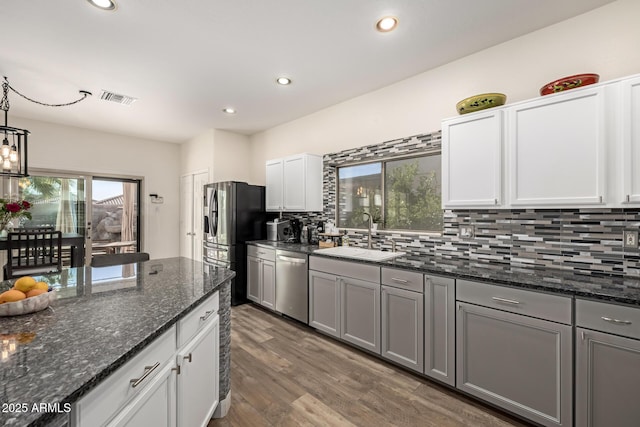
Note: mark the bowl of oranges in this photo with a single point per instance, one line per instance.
(26, 296)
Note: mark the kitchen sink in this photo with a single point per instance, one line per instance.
(359, 253)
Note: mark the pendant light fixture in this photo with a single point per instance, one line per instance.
(13, 150)
(13, 158)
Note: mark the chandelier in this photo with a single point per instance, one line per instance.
(13, 150)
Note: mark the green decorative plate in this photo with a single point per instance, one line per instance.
(481, 102)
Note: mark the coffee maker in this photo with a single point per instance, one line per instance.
(296, 230)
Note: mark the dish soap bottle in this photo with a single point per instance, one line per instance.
(345, 239)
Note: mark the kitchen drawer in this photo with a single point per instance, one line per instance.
(197, 318)
(262, 253)
(356, 270)
(403, 279)
(605, 317)
(116, 390)
(529, 303)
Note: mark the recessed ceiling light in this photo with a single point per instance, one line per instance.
(283, 81)
(386, 24)
(104, 4)
(229, 110)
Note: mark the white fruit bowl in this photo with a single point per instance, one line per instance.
(28, 305)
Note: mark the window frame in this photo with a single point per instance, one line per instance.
(383, 167)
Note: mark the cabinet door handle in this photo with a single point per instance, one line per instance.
(147, 370)
(205, 317)
(507, 301)
(616, 321)
(188, 358)
(628, 198)
(395, 279)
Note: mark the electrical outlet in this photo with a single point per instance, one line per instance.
(630, 239)
(466, 231)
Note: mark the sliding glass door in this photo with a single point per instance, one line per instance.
(109, 223)
(115, 216)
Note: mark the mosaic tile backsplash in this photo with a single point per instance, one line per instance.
(581, 240)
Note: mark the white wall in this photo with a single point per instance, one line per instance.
(231, 157)
(603, 41)
(53, 146)
(196, 155)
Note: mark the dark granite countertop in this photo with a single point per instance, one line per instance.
(625, 290)
(102, 318)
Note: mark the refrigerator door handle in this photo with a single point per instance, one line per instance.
(214, 212)
(206, 224)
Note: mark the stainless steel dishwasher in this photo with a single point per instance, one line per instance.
(292, 291)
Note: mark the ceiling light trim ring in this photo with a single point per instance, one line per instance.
(387, 23)
(110, 5)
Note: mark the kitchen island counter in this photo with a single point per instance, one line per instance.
(101, 319)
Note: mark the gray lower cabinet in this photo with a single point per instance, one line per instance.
(253, 279)
(344, 301)
(261, 276)
(360, 313)
(402, 327)
(520, 363)
(324, 302)
(607, 365)
(268, 274)
(440, 328)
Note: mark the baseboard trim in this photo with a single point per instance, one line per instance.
(223, 407)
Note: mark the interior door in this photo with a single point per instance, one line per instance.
(186, 216)
(199, 181)
(191, 219)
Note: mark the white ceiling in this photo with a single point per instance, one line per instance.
(188, 59)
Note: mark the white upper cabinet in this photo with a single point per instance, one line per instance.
(294, 183)
(574, 149)
(274, 186)
(557, 147)
(472, 160)
(631, 141)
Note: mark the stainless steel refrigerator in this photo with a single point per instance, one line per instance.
(234, 213)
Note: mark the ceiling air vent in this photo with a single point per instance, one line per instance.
(114, 97)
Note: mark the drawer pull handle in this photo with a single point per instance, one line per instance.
(206, 315)
(147, 370)
(395, 279)
(616, 321)
(188, 358)
(507, 301)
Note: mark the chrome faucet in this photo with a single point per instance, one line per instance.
(369, 230)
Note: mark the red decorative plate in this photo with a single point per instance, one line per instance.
(570, 82)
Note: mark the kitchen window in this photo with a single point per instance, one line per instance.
(399, 194)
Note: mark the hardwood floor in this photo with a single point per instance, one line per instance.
(286, 374)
